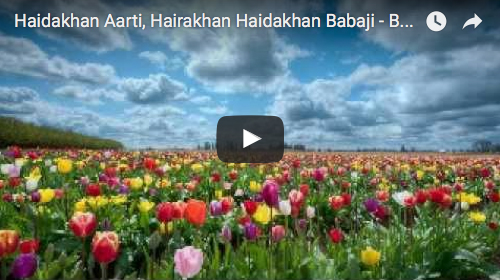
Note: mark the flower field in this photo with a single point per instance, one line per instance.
(82, 214)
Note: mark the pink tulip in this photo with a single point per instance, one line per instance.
(188, 261)
(278, 232)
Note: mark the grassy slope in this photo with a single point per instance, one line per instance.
(15, 132)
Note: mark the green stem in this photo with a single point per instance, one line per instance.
(104, 271)
(3, 270)
(84, 257)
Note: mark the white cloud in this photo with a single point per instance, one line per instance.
(157, 88)
(217, 110)
(88, 95)
(23, 57)
(161, 60)
(236, 60)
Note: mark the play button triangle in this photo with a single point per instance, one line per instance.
(249, 138)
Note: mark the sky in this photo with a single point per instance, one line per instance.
(343, 88)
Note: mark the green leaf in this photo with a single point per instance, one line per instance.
(466, 255)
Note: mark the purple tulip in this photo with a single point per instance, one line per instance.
(270, 193)
(302, 224)
(226, 233)
(153, 191)
(123, 189)
(35, 196)
(14, 171)
(106, 225)
(215, 208)
(24, 266)
(103, 178)
(258, 198)
(371, 205)
(251, 231)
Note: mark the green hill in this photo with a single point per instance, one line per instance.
(16, 132)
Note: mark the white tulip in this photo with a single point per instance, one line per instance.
(31, 184)
(285, 207)
(400, 197)
(5, 168)
(310, 212)
(464, 206)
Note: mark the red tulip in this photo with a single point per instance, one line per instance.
(29, 246)
(149, 164)
(227, 204)
(233, 175)
(347, 199)
(83, 224)
(250, 207)
(215, 177)
(195, 212)
(9, 239)
(336, 235)
(165, 212)
(14, 181)
(494, 196)
(110, 172)
(485, 172)
(93, 190)
(179, 208)
(336, 202)
(105, 246)
(421, 196)
(304, 189)
(493, 225)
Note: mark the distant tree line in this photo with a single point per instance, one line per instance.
(479, 146)
(14, 132)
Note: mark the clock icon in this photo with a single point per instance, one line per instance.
(436, 21)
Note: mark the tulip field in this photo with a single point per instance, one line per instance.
(87, 214)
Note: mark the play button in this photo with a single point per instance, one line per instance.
(250, 139)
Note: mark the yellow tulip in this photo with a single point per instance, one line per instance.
(263, 214)
(97, 202)
(370, 256)
(145, 206)
(255, 187)
(218, 194)
(81, 205)
(64, 166)
(477, 217)
(118, 199)
(471, 199)
(197, 167)
(420, 174)
(136, 183)
(46, 195)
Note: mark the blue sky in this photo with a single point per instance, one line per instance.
(340, 88)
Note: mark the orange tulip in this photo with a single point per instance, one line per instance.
(9, 239)
(195, 212)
